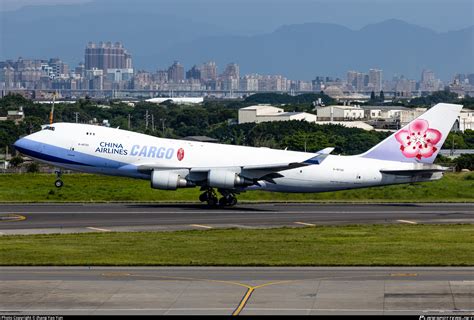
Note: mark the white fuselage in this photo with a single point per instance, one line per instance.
(110, 151)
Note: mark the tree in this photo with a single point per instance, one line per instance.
(464, 161)
(372, 96)
(33, 167)
(16, 161)
(382, 96)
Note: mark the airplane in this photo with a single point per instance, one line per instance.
(404, 157)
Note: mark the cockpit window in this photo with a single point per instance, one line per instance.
(49, 128)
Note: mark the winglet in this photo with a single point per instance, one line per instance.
(320, 156)
(326, 150)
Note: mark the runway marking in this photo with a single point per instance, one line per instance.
(306, 224)
(243, 302)
(200, 226)
(407, 221)
(115, 274)
(99, 229)
(12, 217)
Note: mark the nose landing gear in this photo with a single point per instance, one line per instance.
(58, 183)
(228, 198)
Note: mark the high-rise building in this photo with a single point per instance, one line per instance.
(232, 70)
(375, 80)
(105, 56)
(176, 73)
(60, 69)
(209, 71)
(194, 73)
(427, 76)
(470, 78)
(230, 77)
(429, 81)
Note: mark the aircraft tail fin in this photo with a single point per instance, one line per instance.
(420, 140)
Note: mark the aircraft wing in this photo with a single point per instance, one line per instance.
(253, 172)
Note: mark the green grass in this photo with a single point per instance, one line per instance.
(372, 245)
(454, 187)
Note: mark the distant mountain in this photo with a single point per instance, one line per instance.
(305, 50)
(158, 32)
(64, 31)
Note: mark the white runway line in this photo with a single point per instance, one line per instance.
(200, 226)
(306, 224)
(407, 221)
(99, 229)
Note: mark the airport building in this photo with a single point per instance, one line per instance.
(267, 113)
(340, 113)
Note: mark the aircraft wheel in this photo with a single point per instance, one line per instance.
(58, 183)
(223, 202)
(203, 197)
(212, 202)
(232, 201)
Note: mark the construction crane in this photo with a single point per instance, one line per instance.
(51, 114)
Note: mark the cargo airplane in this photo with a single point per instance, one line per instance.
(404, 157)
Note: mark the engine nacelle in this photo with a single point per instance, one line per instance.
(169, 180)
(226, 179)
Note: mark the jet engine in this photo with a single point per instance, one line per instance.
(225, 179)
(169, 180)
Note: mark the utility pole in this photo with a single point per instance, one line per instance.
(77, 116)
(163, 125)
(129, 125)
(146, 119)
(152, 122)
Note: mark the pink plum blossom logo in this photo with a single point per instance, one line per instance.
(419, 140)
(180, 154)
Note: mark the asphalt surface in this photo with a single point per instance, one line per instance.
(67, 218)
(245, 291)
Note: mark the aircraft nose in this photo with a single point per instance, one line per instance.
(19, 143)
(24, 145)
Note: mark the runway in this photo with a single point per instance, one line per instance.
(243, 291)
(71, 218)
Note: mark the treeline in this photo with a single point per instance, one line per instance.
(299, 136)
(284, 98)
(445, 96)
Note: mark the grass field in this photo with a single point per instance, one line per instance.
(454, 187)
(381, 245)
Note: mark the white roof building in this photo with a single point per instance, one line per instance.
(339, 113)
(178, 100)
(465, 120)
(267, 113)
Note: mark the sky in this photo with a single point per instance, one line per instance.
(8, 5)
(439, 15)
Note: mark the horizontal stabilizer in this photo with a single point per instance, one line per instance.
(416, 170)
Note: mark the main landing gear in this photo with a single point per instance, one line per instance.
(228, 198)
(58, 183)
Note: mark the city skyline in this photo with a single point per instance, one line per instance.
(108, 66)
